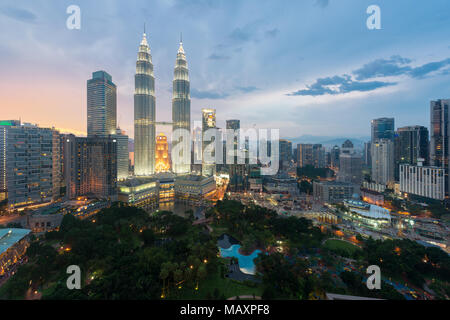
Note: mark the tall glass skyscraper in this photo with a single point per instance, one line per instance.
(440, 138)
(101, 105)
(144, 112)
(181, 105)
(382, 128)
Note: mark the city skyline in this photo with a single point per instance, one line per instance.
(246, 69)
(224, 150)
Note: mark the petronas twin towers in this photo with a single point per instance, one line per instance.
(145, 109)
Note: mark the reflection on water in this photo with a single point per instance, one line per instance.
(246, 263)
(177, 208)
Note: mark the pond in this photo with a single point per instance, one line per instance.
(246, 263)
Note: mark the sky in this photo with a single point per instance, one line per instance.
(306, 67)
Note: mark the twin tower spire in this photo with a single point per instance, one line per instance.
(145, 108)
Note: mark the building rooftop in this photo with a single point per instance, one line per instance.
(368, 210)
(134, 182)
(335, 183)
(192, 177)
(10, 236)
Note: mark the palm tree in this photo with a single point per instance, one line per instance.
(163, 275)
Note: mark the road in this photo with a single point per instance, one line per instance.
(4, 220)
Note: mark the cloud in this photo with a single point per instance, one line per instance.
(254, 31)
(339, 85)
(241, 34)
(383, 68)
(272, 33)
(247, 89)
(207, 94)
(445, 72)
(322, 3)
(215, 56)
(395, 66)
(19, 14)
(420, 72)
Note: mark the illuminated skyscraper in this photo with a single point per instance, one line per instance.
(144, 112)
(440, 137)
(181, 106)
(28, 163)
(122, 154)
(237, 171)
(162, 154)
(101, 105)
(208, 123)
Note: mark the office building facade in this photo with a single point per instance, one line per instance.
(439, 138)
(144, 112)
(383, 161)
(333, 191)
(96, 167)
(101, 105)
(311, 155)
(382, 128)
(426, 182)
(122, 154)
(181, 109)
(28, 157)
(350, 168)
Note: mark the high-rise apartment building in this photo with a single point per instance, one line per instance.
(383, 161)
(4, 125)
(101, 105)
(426, 182)
(27, 163)
(144, 112)
(311, 155)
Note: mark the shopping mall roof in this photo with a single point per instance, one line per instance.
(10, 236)
(375, 212)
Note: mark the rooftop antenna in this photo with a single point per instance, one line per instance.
(181, 37)
(144, 27)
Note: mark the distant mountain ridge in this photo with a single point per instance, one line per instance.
(327, 141)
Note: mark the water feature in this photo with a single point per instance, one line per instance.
(246, 263)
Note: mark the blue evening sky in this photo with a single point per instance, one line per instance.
(303, 66)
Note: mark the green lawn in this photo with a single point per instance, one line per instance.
(341, 246)
(227, 287)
